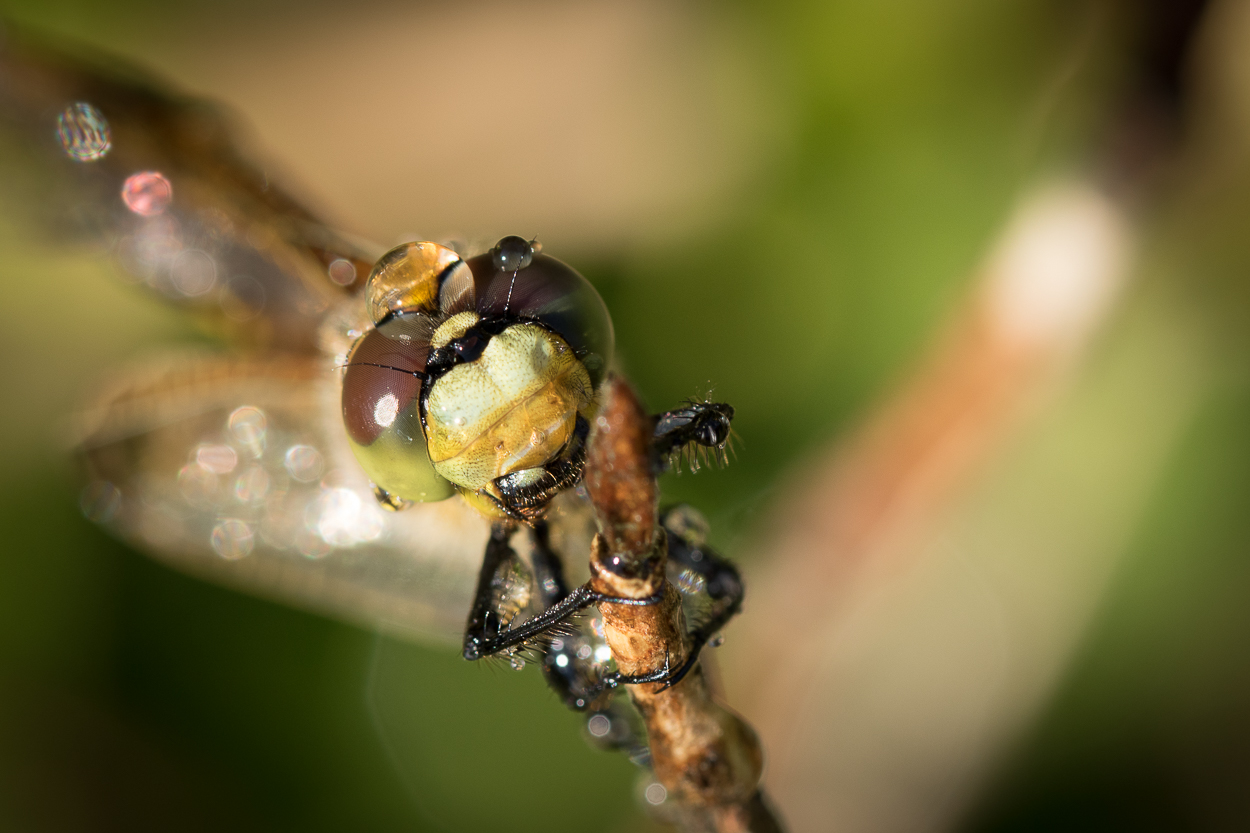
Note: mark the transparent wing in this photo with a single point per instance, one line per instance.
(237, 471)
(98, 155)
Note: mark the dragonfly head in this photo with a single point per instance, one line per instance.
(475, 374)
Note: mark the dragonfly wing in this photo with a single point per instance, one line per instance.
(237, 470)
(102, 156)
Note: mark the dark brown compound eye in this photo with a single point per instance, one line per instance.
(381, 408)
(550, 292)
(384, 375)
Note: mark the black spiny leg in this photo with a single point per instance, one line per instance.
(485, 621)
(700, 425)
(568, 664)
(487, 631)
(720, 577)
(571, 668)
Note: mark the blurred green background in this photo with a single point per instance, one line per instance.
(783, 201)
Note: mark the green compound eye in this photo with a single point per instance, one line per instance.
(381, 409)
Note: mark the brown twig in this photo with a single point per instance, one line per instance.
(706, 757)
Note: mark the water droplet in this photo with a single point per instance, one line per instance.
(603, 653)
(147, 193)
(248, 425)
(342, 519)
(219, 459)
(342, 272)
(655, 793)
(516, 662)
(252, 485)
(303, 462)
(599, 726)
(83, 133)
(232, 538)
(100, 501)
(193, 272)
(197, 483)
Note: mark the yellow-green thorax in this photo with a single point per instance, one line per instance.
(513, 408)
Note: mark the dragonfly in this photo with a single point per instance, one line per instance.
(392, 438)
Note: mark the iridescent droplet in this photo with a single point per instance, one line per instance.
(100, 501)
(83, 133)
(248, 425)
(252, 485)
(193, 272)
(232, 538)
(197, 483)
(342, 272)
(303, 462)
(147, 193)
(342, 519)
(219, 459)
(599, 726)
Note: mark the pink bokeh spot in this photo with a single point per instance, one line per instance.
(147, 194)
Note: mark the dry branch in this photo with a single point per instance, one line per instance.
(708, 759)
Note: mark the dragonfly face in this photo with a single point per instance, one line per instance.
(478, 376)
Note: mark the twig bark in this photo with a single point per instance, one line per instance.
(706, 757)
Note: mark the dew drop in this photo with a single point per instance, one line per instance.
(147, 193)
(219, 459)
(599, 726)
(83, 133)
(193, 272)
(232, 538)
(248, 425)
(303, 462)
(342, 272)
(100, 501)
(252, 485)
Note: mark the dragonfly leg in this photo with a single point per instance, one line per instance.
(487, 633)
(699, 424)
(720, 577)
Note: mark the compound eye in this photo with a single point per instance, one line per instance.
(551, 293)
(512, 254)
(381, 409)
